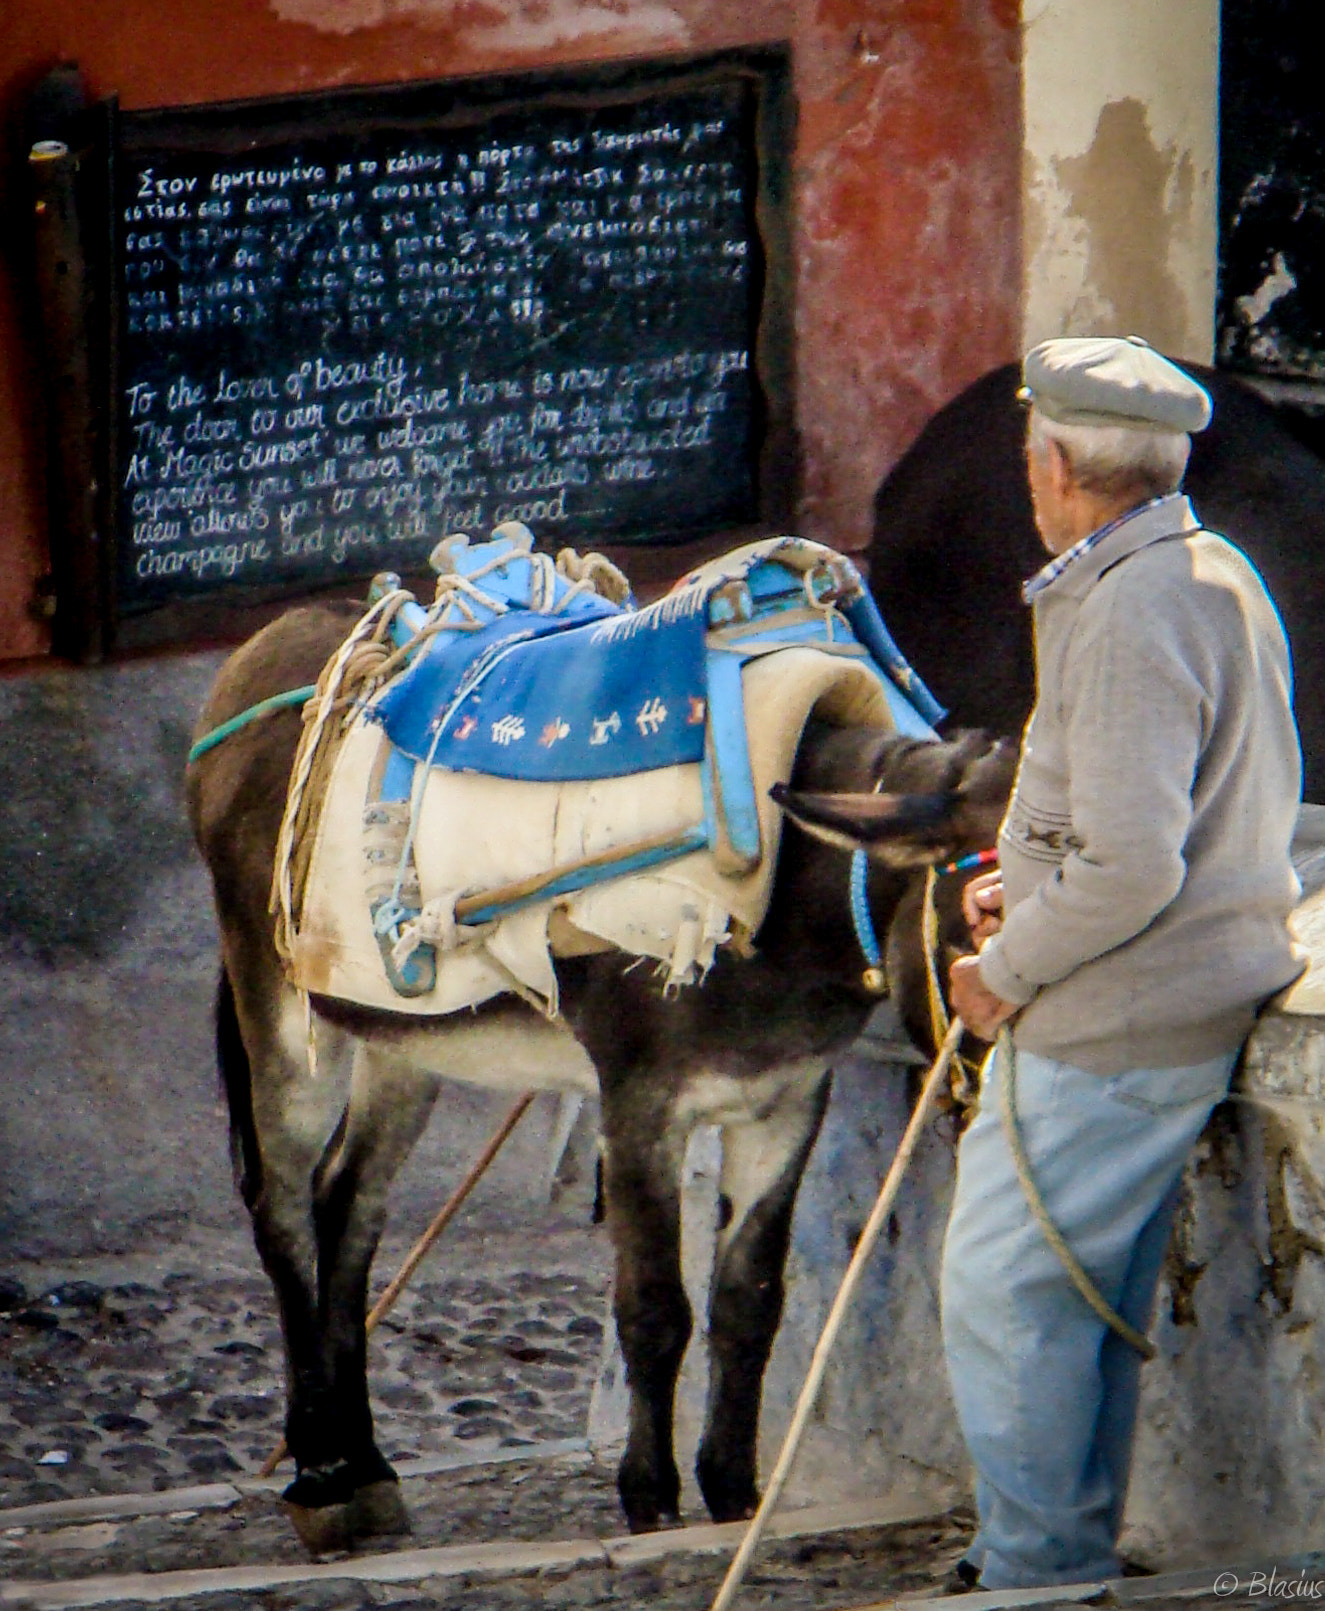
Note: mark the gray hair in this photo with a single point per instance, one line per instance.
(1115, 460)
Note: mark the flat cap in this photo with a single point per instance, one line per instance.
(1112, 380)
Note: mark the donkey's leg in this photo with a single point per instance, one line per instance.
(280, 1119)
(763, 1161)
(645, 1147)
(388, 1108)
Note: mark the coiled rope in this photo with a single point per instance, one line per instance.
(365, 659)
(1055, 1238)
(368, 658)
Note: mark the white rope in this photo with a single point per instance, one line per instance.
(453, 608)
(281, 901)
(437, 925)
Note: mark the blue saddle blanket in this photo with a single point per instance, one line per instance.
(578, 688)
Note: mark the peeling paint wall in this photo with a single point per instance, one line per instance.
(906, 187)
(1120, 176)
(908, 208)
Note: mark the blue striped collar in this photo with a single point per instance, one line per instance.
(1060, 562)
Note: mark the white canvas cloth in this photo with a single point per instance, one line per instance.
(476, 833)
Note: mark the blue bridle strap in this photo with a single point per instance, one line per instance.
(861, 920)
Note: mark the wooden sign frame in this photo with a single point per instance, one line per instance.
(110, 463)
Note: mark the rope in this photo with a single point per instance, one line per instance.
(264, 707)
(594, 573)
(363, 659)
(1076, 1273)
(836, 1315)
(875, 976)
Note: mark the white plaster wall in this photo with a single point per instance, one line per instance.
(1120, 183)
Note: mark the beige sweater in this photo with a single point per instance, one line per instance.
(1147, 881)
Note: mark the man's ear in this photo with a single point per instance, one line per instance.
(901, 830)
(1061, 477)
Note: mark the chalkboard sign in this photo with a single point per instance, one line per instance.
(1271, 313)
(349, 326)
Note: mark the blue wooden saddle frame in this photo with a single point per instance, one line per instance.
(758, 605)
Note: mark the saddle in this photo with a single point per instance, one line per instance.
(556, 771)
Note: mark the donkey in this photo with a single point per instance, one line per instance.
(750, 1051)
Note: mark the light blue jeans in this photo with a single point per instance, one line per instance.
(1046, 1395)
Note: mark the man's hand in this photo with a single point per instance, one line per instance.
(982, 905)
(980, 1009)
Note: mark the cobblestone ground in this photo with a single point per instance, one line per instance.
(122, 1380)
(167, 1377)
(133, 1386)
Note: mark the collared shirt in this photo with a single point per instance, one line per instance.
(1060, 562)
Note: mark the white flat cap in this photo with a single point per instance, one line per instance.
(1112, 380)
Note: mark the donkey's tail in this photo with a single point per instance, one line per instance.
(236, 1081)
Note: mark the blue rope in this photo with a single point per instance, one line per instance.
(292, 696)
(861, 920)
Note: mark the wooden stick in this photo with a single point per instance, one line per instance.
(502, 894)
(836, 1315)
(445, 1214)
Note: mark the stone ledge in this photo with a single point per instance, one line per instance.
(416, 1565)
(1195, 1584)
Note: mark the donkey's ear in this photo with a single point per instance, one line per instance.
(903, 830)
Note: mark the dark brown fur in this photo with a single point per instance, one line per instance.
(315, 1178)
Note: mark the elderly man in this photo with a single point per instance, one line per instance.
(1137, 922)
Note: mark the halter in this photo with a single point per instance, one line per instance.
(874, 978)
(965, 1075)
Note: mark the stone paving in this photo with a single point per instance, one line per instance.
(125, 1380)
(129, 1386)
(122, 1382)
(570, 1498)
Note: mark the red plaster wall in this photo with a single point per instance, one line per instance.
(907, 186)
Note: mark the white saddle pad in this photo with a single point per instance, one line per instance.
(478, 833)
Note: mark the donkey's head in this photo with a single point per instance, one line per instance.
(907, 804)
(929, 801)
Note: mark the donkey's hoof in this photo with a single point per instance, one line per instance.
(650, 1498)
(322, 1529)
(318, 1503)
(377, 1510)
(729, 1491)
(731, 1505)
(738, 1511)
(327, 1531)
(657, 1522)
(650, 1519)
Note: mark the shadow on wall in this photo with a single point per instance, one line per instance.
(112, 1136)
(954, 540)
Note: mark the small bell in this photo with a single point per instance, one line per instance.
(875, 981)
